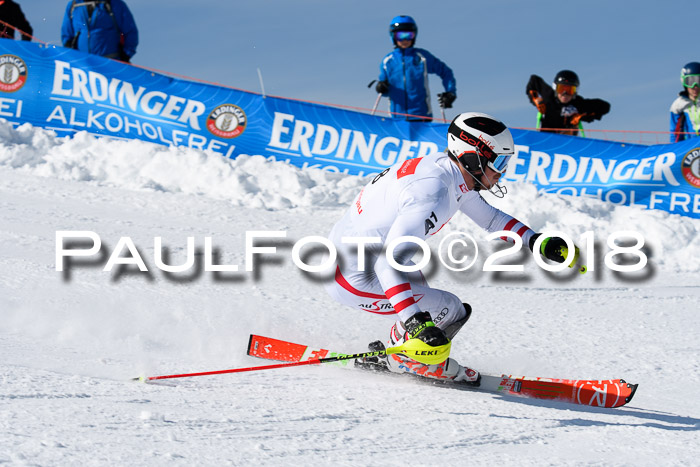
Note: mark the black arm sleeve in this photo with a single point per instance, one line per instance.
(593, 108)
(21, 23)
(538, 85)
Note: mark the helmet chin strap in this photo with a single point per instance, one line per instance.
(496, 189)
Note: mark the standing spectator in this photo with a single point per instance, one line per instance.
(685, 112)
(100, 27)
(403, 74)
(560, 108)
(11, 13)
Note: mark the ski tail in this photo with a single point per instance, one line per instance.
(284, 351)
(274, 349)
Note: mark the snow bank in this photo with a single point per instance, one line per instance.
(250, 181)
(256, 182)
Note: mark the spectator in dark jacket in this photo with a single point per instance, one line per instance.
(403, 74)
(561, 109)
(100, 27)
(11, 13)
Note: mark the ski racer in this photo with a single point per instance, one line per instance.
(416, 198)
(685, 111)
(403, 74)
(560, 109)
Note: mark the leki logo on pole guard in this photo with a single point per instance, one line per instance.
(690, 167)
(227, 121)
(13, 73)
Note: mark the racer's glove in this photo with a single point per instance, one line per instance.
(446, 99)
(554, 248)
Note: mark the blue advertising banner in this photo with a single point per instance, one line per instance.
(68, 91)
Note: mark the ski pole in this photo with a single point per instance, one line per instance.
(379, 97)
(413, 348)
(376, 104)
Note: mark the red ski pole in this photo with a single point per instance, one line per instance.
(414, 348)
(242, 370)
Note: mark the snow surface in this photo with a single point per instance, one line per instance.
(70, 341)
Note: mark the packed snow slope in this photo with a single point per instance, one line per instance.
(70, 341)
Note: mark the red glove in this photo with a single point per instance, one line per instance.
(539, 103)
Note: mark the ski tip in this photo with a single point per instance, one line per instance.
(633, 388)
(140, 379)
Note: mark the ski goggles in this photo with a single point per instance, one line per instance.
(691, 81)
(496, 162)
(404, 35)
(566, 89)
(500, 163)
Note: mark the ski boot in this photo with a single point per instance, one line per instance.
(397, 335)
(449, 370)
(420, 326)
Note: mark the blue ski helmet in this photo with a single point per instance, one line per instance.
(402, 23)
(690, 75)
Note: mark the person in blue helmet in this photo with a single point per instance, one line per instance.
(403, 74)
(100, 27)
(685, 110)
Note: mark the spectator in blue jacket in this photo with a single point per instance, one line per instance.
(100, 27)
(685, 110)
(403, 74)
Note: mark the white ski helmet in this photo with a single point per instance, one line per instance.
(478, 140)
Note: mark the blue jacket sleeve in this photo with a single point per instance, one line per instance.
(67, 31)
(383, 76)
(438, 67)
(127, 26)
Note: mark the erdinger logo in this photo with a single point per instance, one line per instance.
(227, 121)
(690, 167)
(13, 73)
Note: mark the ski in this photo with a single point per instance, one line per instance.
(596, 393)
